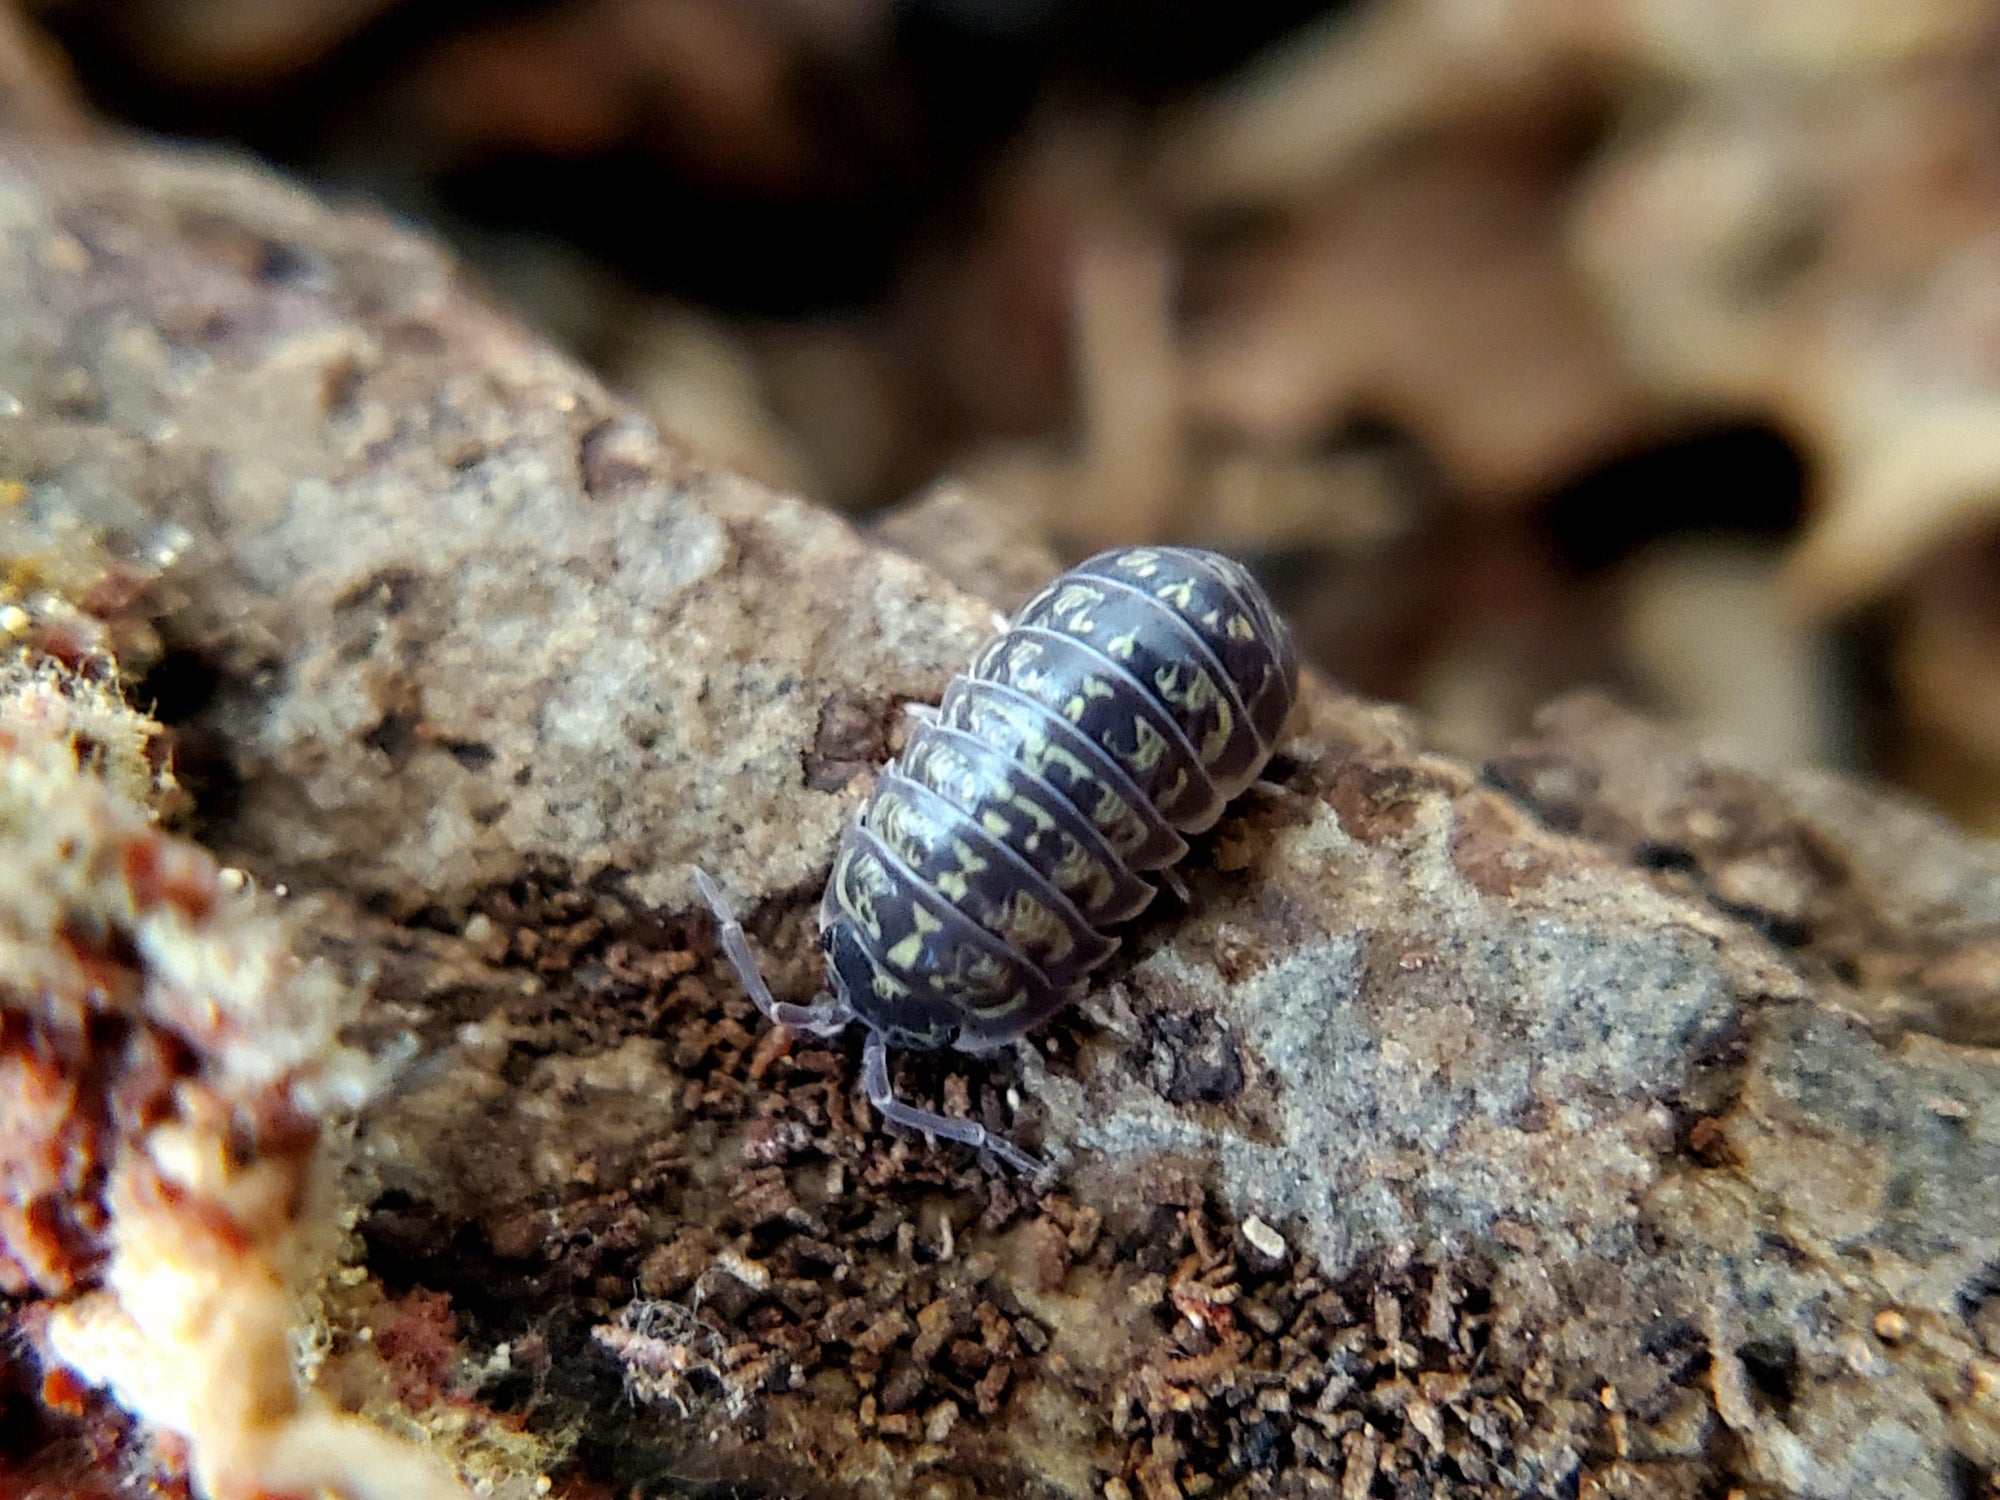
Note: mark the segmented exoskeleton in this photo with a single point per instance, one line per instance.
(1123, 706)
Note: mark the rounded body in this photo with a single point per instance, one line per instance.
(1124, 706)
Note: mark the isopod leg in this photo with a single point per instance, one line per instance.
(875, 1079)
(1171, 879)
(824, 1018)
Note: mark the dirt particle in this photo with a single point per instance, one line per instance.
(1048, 1252)
(1193, 1059)
(851, 740)
(1489, 851)
(1264, 1243)
(1375, 803)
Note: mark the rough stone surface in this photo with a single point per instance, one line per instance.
(1628, 1119)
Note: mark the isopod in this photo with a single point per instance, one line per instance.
(1123, 706)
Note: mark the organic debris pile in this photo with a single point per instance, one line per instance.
(1384, 1384)
(804, 1295)
(745, 1233)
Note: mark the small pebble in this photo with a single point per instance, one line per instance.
(1265, 1240)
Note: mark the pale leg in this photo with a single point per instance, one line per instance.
(875, 1079)
(823, 1018)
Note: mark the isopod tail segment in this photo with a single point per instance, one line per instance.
(831, 1014)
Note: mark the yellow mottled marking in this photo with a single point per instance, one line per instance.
(1073, 605)
(1149, 747)
(1092, 686)
(1041, 756)
(1115, 817)
(1036, 815)
(1011, 1000)
(981, 970)
(1033, 928)
(902, 826)
(1194, 692)
(1182, 686)
(1017, 653)
(859, 878)
(1140, 562)
(1218, 737)
(1080, 877)
(955, 882)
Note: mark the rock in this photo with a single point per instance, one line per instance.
(984, 548)
(1602, 1100)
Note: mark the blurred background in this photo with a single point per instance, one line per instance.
(1521, 344)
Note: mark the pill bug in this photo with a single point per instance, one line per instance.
(1121, 708)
